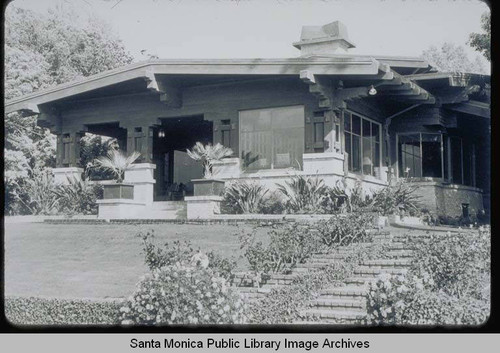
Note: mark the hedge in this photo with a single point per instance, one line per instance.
(51, 311)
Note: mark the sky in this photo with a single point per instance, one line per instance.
(267, 28)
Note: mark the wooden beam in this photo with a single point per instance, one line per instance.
(169, 94)
(471, 107)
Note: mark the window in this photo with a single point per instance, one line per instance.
(272, 138)
(420, 155)
(362, 143)
(462, 154)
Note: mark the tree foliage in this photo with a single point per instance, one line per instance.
(482, 41)
(42, 50)
(452, 58)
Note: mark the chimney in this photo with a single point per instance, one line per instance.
(328, 39)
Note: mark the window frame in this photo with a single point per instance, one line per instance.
(343, 132)
(272, 164)
(443, 178)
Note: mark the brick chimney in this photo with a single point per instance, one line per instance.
(329, 39)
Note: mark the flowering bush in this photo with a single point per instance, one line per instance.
(458, 263)
(156, 257)
(449, 283)
(403, 300)
(180, 294)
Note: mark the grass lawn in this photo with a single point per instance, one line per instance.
(97, 261)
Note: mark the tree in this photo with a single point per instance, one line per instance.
(452, 58)
(42, 50)
(482, 41)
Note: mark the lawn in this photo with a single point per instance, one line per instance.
(97, 261)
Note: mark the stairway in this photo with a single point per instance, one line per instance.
(165, 210)
(345, 304)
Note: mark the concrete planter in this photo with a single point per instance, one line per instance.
(118, 191)
(208, 187)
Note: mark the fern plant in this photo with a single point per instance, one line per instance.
(304, 194)
(208, 154)
(117, 162)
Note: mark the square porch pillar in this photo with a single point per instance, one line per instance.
(140, 139)
(141, 175)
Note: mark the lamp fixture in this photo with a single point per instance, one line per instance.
(161, 133)
(372, 91)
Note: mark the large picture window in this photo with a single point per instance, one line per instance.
(272, 138)
(362, 143)
(420, 155)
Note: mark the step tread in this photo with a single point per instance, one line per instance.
(334, 314)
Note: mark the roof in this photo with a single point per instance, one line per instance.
(335, 65)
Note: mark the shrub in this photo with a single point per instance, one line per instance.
(403, 300)
(79, 196)
(36, 192)
(303, 194)
(448, 283)
(273, 204)
(457, 263)
(399, 198)
(288, 246)
(181, 294)
(246, 197)
(345, 229)
(156, 257)
(40, 311)
(339, 199)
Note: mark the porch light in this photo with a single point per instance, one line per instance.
(161, 133)
(372, 91)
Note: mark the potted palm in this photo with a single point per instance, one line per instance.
(207, 155)
(117, 162)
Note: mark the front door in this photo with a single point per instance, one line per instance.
(174, 168)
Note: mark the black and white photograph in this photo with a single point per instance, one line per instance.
(226, 163)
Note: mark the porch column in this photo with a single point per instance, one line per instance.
(141, 174)
(140, 139)
(68, 157)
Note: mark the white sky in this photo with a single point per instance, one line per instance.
(267, 28)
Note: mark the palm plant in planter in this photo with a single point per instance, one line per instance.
(207, 155)
(117, 162)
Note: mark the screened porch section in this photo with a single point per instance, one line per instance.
(436, 155)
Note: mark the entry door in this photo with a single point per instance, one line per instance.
(185, 170)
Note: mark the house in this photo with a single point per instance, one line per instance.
(326, 112)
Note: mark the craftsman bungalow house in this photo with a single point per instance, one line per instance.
(325, 113)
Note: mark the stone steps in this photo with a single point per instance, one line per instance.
(334, 316)
(352, 305)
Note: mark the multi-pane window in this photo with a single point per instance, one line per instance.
(362, 143)
(420, 155)
(272, 138)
